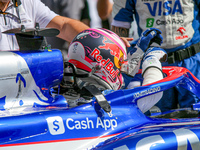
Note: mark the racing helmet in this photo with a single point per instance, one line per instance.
(102, 48)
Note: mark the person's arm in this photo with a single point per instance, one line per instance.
(152, 72)
(104, 8)
(117, 26)
(122, 16)
(68, 28)
(120, 31)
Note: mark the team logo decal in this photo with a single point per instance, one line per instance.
(182, 31)
(114, 49)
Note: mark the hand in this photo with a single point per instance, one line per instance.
(148, 37)
(126, 41)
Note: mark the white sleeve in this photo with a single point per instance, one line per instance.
(121, 24)
(43, 15)
(150, 76)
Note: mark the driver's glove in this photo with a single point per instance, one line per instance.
(151, 65)
(135, 55)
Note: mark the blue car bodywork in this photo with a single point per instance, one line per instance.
(32, 117)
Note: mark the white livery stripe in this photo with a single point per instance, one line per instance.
(174, 124)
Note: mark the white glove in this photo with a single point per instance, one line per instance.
(152, 58)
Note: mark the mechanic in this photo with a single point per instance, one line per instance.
(179, 22)
(103, 50)
(29, 12)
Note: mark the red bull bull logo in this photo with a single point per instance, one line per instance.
(114, 49)
(107, 64)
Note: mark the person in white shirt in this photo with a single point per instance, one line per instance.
(15, 13)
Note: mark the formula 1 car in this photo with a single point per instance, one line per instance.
(34, 115)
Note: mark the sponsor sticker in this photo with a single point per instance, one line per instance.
(150, 22)
(58, 126)
(55, 125)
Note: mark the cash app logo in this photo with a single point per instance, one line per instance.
(56, 125)
(150, 22)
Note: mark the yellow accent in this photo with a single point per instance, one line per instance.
(116, 60)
